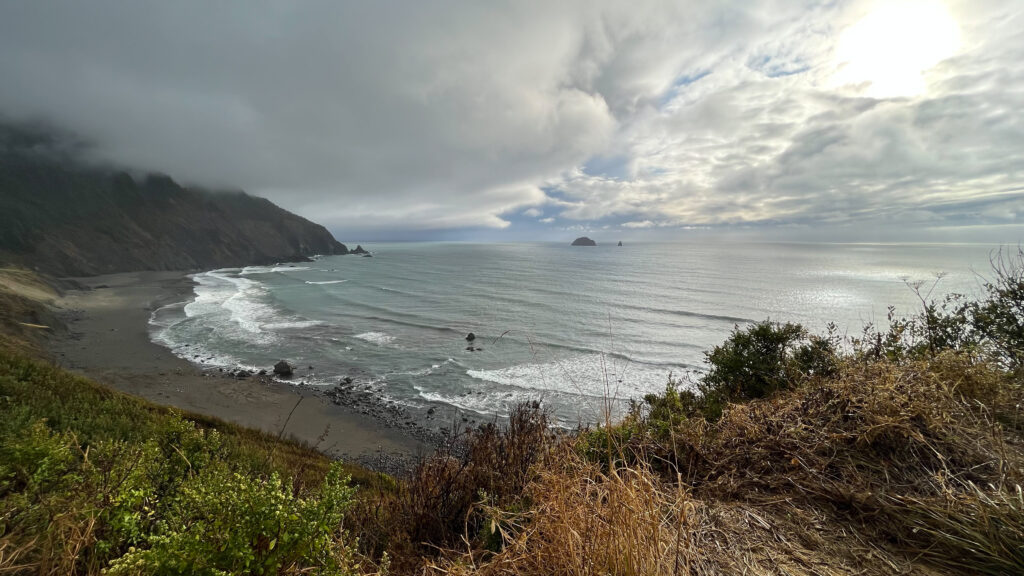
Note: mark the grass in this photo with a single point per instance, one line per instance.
(89, 476)
(880, 468)
(25, 319)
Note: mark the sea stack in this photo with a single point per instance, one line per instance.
(583, 241)
(620, 242)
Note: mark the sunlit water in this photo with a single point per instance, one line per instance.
(571, 326)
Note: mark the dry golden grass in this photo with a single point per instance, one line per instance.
(885, 469)
(625, 521)
(26, 317)
(630, 521)
(11, 557)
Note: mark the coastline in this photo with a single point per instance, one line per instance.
(108, 340)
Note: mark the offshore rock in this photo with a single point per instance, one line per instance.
(583, 241)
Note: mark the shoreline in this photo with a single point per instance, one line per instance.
(108, 340)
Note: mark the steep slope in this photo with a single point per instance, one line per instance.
(67, 219)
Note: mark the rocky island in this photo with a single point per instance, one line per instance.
(583, 241)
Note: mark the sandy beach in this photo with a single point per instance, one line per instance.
(108, 340)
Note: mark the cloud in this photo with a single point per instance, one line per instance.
(461, 116)
(746, 145)
(643, 224)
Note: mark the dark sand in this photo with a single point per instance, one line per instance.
(109, 342)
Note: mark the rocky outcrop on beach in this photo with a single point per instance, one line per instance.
(283, 368)
(583, 241)
(64, 217)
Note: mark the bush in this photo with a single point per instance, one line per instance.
(998, 319)
(92, 480)
(224, 522)
(753, 363)
(438, 505)
(992, 325)
(610, 445)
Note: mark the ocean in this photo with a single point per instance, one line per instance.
(578, 328)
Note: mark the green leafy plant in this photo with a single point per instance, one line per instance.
(223, 522)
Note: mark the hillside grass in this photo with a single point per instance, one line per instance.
(26, 319)
(880, 468)
(93, 479)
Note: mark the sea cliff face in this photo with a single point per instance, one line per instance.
(65, 218)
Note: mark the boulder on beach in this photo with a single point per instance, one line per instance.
(283, 368)
(583, 241)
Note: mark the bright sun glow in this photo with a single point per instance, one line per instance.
(891, 47)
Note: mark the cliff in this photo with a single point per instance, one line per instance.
(65, 218)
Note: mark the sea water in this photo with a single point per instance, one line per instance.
(578, 328)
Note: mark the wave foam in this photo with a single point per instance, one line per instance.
(594, 375)
(298, 324)
(228, 311)
(378, 338)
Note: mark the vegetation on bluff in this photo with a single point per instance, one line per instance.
(92, 480)
(898, 451)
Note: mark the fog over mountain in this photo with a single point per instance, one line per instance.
(851, 120)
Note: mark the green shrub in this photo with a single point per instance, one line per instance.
(760, 360)
(223, 522)
(91, 477)
(991, 325)
(668, 410)
(998, 319)
(34, 461)
(753, 362)
(609, 444)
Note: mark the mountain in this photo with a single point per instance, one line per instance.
(68, 218)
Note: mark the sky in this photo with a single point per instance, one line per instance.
(840, 121)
